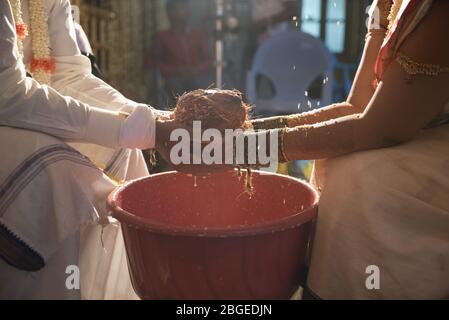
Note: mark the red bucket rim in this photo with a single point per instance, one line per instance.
(289, 222)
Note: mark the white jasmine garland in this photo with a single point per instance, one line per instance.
(16, 6)
(42, 64)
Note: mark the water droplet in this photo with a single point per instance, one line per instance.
(318, 103)
(306, 93)
(194, 182)
(294, 68)
(294, 18)
(283, 202)
(309, 104)
(299, 105)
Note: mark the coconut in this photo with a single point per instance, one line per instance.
(215, 108)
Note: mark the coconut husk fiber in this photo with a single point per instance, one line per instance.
(215, 108)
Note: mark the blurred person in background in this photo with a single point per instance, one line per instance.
(182, 53)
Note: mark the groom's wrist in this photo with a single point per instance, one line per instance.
(138, 128)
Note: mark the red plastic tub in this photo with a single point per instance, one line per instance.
(205, 238)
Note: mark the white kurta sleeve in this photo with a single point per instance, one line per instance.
(26, 104)
(73, 76)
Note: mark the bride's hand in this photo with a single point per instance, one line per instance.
(164, 145)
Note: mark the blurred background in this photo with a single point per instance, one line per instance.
(134, 50)
(285, 56)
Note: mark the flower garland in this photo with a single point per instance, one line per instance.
(394, 11)
(21, 27)
(42, 65)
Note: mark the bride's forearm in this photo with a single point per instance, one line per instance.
(330, 112)
(332, 139)
(318, 141)
(333, 111)
(361, 93)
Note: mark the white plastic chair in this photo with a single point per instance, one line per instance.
(291, 61)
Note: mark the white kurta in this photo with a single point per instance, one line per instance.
(51, 196)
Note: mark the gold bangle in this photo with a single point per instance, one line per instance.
(281, 133)
(268, 124)
(283, 122)
(152, 153)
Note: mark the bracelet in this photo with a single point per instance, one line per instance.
(281, 122)
(281, 150)
(152, 153)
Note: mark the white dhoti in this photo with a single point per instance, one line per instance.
(387, 208)
(52, 199)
